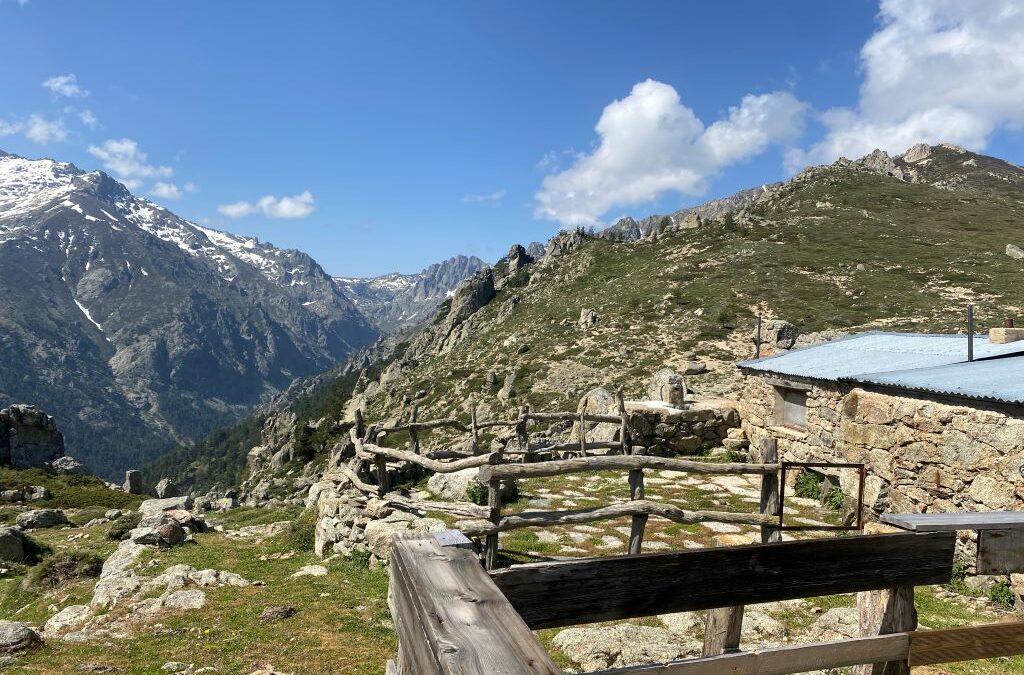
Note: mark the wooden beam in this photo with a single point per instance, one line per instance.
(639, 507)
(770, 493)
(882, 612)
(780, 660)
(452, 619)
(552, 594)
(966, 644)
(426, 463)
(627, 462)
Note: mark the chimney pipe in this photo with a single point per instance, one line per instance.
(970, 332)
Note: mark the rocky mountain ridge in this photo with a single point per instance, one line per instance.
(395, 301)
(139, 329)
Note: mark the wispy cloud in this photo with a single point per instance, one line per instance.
(651, 143)
(123, 158)
(297, 206)
(10, 128)
(166, 190)
(43, 131)
(495, 196)
(87, 118)
(65, 85)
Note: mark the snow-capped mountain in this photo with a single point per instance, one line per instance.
(139, 329)
(395, 301)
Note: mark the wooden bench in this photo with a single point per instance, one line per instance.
(1000, 535)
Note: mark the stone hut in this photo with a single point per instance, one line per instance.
(936, 431)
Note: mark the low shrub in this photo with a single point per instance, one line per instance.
(300, 535)
(835, 499)
(66, 566)
(477, 493)
(34, 550)
(808, 485)
(123, 525)
(1002, 594)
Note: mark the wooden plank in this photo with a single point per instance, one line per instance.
(452, 538)
(643, 507)
(946, 522)
(966, 644)
(494, 515)
(722, 631)
(627, 462)
(1001, 552)
(552, 594)
(780, 660)
(466, 622)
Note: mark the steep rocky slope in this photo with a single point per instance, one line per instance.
(138, 329)
(395, 301)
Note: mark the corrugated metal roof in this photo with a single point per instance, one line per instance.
(877, 352)
(999, 380)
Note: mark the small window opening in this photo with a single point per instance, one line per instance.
(791, 408)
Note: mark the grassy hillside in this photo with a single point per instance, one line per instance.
(838, 247)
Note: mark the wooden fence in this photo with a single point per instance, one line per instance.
(452, 616)
(499, 467)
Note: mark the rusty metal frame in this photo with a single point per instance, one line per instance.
(786, 466)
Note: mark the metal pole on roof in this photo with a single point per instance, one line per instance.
(970, 332)
(757, 340)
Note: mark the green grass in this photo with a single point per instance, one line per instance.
(69, 491)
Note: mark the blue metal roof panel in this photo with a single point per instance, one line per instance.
(877, 352)
(999, 380)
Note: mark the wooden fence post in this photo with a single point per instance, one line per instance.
(627, 446)
(414, 436)
(881, 613)
(723, 628)
(494, 515)
(583, 432)
(770, 490)
(522, 436)
(360, 424)
(639, 522)
(473, 430)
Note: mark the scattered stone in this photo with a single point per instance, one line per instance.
(455, 486)
(95, 668)
(66, 620)
(1015, 251)
(276, 613)
(41, 518)
(175, 667)
(186, 599)
(16, 636)
(588, 318)
(167, 488)
(34, 493)
(694, 368)
(778, 334)
(156, 507)
(133, 483)
(668, 386)
(12, 544)
(69, 465)
(311, 571)
(12, 495)
(113, 514)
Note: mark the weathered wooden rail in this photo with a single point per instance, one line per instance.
(452, 616)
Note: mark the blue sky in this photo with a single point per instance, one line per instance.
(383, 136)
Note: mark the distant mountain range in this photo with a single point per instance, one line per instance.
(140, 330)
(393, 301)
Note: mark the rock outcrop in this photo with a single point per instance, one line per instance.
(29, 438)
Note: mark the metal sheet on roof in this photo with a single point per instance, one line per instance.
(878, 352)
(1000, 380)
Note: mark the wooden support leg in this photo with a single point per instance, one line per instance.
(722, 633)
(881, 613)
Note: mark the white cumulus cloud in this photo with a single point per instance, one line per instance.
(42, 130)
(124, 159)
(297, 206)
(87, 118)
(10, 128)
(65, 85)
(651, 143)
(934, 71)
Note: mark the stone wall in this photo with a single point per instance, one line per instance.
(923, 454)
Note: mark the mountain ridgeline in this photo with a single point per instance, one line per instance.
(140, 331)
(898, 243)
